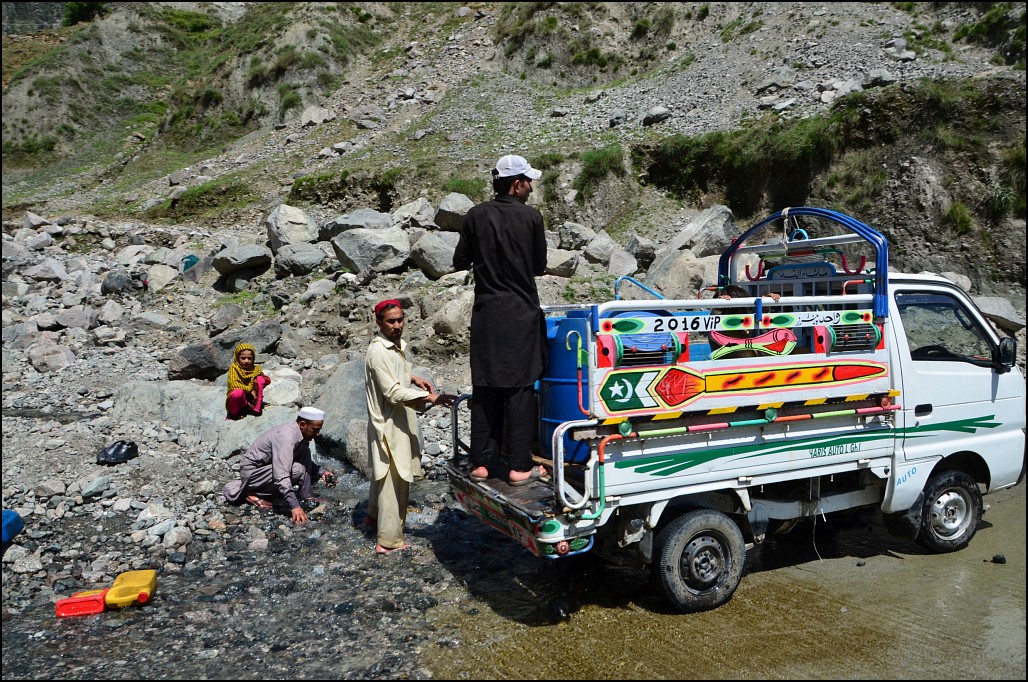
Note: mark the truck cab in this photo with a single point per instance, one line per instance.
(678, 433)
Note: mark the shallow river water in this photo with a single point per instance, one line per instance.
(840, 599)
(854, 603)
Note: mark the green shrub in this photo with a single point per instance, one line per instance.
(210, 97)
(997, 203)
(663, 21)
(290, 100)
(998, 29)
(596, 165)
(206, 199)
(469, 187)
(547, 160)
(958, 216)
(324, 188)
(1012, 175)
(189, 22)
(768, 156)
(642, 27)
(79, 12)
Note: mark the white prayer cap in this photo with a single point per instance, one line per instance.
(312, 414)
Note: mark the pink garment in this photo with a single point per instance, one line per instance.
(238, 403)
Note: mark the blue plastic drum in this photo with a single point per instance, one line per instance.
(559, 389)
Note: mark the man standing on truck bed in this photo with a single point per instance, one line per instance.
(505, 242)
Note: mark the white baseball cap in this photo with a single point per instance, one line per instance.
(512, 165)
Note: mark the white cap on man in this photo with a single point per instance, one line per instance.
(513, 165)
(312, 414)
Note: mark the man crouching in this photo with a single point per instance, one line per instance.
(279, 459)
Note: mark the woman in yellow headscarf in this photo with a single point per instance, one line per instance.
(246, 384)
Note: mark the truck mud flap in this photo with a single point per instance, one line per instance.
(905, 524)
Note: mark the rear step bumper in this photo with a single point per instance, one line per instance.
(519, 512)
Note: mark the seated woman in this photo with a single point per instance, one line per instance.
(246, 384)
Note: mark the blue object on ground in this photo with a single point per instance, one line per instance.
(12, 526)
(189, 261)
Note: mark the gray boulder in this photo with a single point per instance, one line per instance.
(238, 258)
(574, 236)
(361, 250)
(709, 233)
(289, 225)
(418, 213)
(47, 356)
(1001, 312)
(223, 318)
(598, 250)
(682, 274)
(561, 263)
(363, 218)
(452, 209)
(343, 399)
(298, 259)
(433, 253)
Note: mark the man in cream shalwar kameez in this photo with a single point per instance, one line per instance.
(393, 440)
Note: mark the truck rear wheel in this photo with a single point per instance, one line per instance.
(951, 513)
(698, 560)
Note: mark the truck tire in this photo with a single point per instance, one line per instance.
(698, 560)
(951, 512)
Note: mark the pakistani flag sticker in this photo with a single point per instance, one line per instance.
(628, 391)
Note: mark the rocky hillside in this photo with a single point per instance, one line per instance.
(179, 177)
(662, 130)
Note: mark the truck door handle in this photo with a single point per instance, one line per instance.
(923, 410)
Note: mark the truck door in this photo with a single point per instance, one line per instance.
(954, 400)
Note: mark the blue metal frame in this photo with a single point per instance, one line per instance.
(872, 236)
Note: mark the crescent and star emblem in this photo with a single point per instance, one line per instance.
(619, 387)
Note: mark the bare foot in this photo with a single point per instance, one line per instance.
(261, 504)
(479, 474)
(379, 549)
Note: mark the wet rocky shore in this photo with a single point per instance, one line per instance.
(259, 598)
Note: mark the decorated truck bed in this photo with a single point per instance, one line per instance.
(679, 432)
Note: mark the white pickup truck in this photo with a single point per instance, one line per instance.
(681, 432)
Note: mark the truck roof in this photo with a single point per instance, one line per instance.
(921, 277)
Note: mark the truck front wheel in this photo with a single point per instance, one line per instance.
(951, 513)
(698, 560)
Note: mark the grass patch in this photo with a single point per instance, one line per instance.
(207, 199)
(1012, 174)
(469, 187)
(958, 216)
(597, 164)
(241, 299)
(323, 188)
(1002, 27)
(858, 180)
(772, 161)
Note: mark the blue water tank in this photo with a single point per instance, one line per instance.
(559, 388)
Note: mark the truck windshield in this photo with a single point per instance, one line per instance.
(939, 328)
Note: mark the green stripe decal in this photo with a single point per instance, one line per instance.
(667, 465)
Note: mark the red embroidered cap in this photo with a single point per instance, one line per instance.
(383, 304)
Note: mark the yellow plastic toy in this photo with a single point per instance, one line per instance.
(131, 587)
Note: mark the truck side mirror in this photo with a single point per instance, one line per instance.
(1004, 356)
